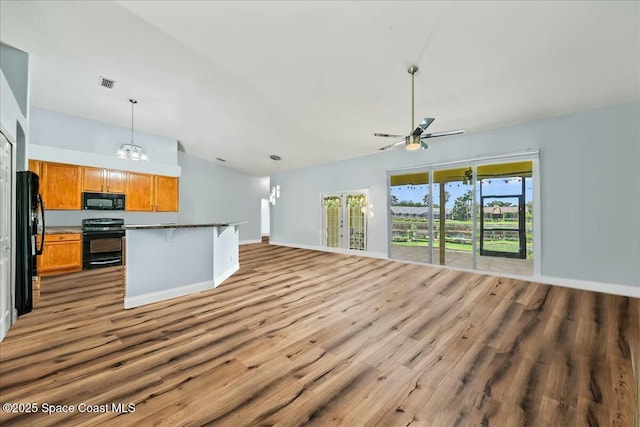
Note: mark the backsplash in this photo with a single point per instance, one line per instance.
(74, 218)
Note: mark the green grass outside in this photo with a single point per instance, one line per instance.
(455, 231)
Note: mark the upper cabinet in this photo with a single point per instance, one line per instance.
(151, 193)
(100, 180)
(61, 185)
(139, 192)
(166, 192)
(34, 166)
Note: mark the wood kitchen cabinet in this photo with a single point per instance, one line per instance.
(139, 192)
(61, 185)
(62, 254)
(166, 193)
(34, 166)
(99, 180)
(151, 193)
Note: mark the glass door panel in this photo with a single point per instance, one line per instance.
(453, 238)
(332, 221)
(357, 209)
(410, 217)
(501, 231)
(505, 227)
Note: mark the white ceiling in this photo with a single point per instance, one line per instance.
(312, 81)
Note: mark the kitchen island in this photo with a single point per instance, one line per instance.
(164, 261)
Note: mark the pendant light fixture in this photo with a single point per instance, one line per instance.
(131, 151)
(274, 194)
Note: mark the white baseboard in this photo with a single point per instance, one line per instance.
(224, 276)
(249, 242)
(586, 285)
(608, 288)
(138, 300)
(368, 254)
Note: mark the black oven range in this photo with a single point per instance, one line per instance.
(102, 242)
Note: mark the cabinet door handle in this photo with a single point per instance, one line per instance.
(107, 188)
(101, 188)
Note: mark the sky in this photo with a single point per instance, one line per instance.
(494, 186)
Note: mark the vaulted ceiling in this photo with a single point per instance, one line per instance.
(312, 81)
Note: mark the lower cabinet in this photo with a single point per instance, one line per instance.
(62, 254)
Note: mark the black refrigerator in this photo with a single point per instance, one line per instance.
(29, 220)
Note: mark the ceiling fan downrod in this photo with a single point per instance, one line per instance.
(412, 70)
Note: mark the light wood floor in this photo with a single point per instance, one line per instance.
(302, 337)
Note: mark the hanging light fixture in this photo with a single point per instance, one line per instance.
(274, 194)
(367, 210)
(131, 151)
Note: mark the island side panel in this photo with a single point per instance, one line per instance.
(166, 263)
(226, 257)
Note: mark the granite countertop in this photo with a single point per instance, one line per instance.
(62, 229)
(160, 226)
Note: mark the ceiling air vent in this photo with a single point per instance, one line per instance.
(105, 82)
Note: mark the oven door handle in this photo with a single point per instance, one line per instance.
(105, 262)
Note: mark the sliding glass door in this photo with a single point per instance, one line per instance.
(474, 216)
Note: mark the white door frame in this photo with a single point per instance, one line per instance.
(8, 313)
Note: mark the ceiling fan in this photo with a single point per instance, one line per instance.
(415, 140)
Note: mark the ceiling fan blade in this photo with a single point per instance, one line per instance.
(388, 135)
(422, 126)
(395, 144)
(437, 134)
(426, 122)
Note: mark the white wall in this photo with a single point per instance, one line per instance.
(15, 66)
(211, 192)
(589, 175)
(65, 138)
(10, 114)
(55, 129)
(208, 191)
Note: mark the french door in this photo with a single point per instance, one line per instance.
(344, 220)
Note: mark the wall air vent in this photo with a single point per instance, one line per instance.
(105, 82)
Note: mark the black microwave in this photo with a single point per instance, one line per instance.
(103, 201)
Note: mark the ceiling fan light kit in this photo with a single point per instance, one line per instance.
(412, 143)
(415, 141)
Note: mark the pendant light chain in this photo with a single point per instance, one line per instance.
(132, 101)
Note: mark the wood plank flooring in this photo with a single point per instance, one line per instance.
(300, 337)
